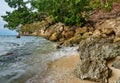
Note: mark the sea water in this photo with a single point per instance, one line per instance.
(22, 59)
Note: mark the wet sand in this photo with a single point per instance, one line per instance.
(62, 71)
(115, 72)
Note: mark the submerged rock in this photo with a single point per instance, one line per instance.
(18, 36)
(93, 69)
(103, 48)
(116, 64)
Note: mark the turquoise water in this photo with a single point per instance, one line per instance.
(23, 59)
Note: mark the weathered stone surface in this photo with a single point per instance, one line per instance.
(93, 69)
(116, 64)
(68, 34)
(81, 30)
(73, 41)
(96, 33)
(111, 26)
(116, 39)
(99, 47)
(54, 37)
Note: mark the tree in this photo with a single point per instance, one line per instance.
(21, 14)
(71, 12)
(16, 3)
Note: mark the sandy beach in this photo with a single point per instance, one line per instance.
(62, 71)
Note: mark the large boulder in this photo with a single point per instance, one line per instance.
(53, 32)
(116, 64)
(103, 48)
(94, 69)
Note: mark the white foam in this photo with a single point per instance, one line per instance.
(66, 51)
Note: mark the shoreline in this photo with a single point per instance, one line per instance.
(62, 71)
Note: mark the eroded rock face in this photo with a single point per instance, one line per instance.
(72, 41)
(54, 37)
(94, 51)
(99, 47)
(93, 69)
(116, 64)
(111, 26)
(75, 40)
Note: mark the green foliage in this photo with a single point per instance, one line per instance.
(16, 3)
(70, 12)
(96, 4)
(100, 4)
(108, 5)
(19, 16)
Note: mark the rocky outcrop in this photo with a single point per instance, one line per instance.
(109, 27)
(57, 32)
(103, 48)
(76, 39)
(94, 52)
(49, 30)
(93, 69)
(116, 64)
(72, 41)
(60, 32)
